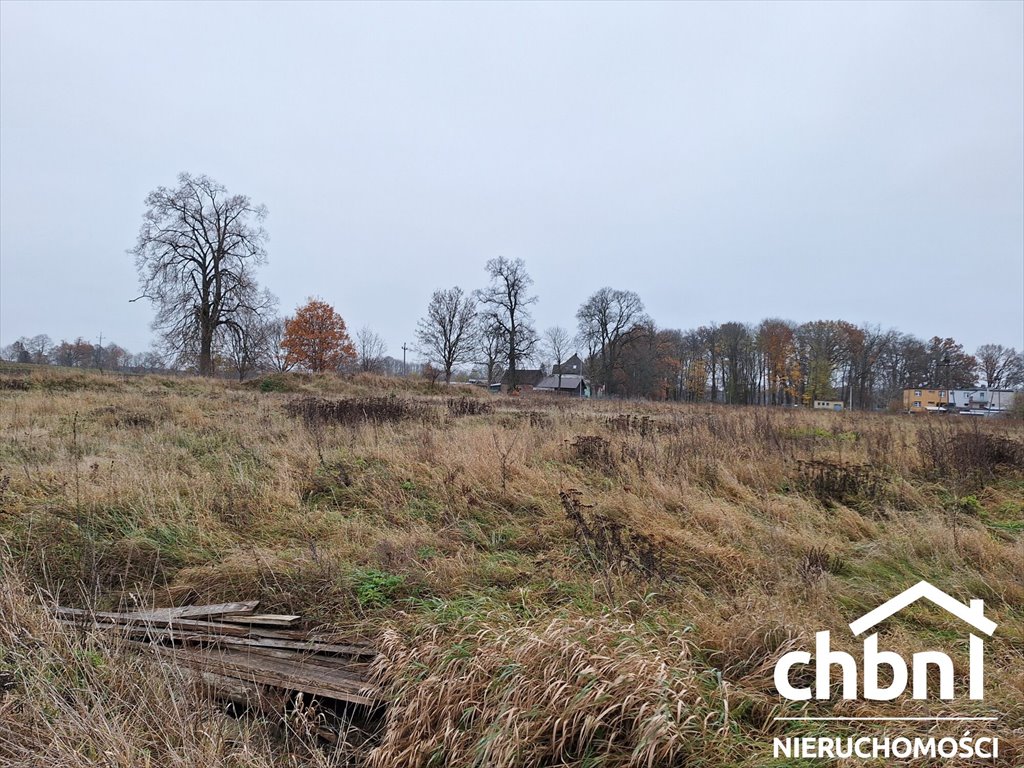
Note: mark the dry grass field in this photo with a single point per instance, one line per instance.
(549, 583)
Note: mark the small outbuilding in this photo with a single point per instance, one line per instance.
(526, 379)
(566, 384)
(828, 405)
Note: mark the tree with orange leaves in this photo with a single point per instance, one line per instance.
(316, 338)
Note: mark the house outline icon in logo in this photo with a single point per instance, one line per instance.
(825, 658)
(973, 614)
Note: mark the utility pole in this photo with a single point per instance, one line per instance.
(405, 370)
(949, 395)
(851, 387)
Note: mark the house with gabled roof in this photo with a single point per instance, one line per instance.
(572, 366)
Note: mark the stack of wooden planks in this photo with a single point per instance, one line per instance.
(242, 653)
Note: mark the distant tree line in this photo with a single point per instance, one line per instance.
(314, 339)
(775, 362)
(199, 247)
(779, 362)
(41, 350)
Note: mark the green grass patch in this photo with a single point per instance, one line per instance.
(375, 588)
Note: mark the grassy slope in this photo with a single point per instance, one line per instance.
(511, 637)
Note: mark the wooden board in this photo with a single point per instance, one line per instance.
(220, 610)
(267, 619)
(279, 673)
(207, 638)
(127, 619)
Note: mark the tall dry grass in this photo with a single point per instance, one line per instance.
(445, 533)
(571, 692)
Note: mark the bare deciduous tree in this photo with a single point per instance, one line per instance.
(556, 343)
(490, 349)
(35, 349)
(196, 253)
(17, 352)
(277, 355)
(1000, 366)
(447, 333)
(370, 350)
(248, 343)
(504, 307)
(604, 320)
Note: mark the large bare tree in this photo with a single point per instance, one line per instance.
(504, 305)
(370, 350)
(605, 319)
(447, 333)
(1000, 366)
(196, 254)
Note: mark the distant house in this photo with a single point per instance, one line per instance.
(924, 399)
(571, 366)
(526, 379)
(828, 405)
(975, 402)
(570, 384)
(989, 400)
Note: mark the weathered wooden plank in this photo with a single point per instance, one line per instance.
(305, 635)
(200, 637)
(264, 698)
(325, 649)
(246, 607)
(328, 667)
(125, 619)
(286, 667)
(274, 672)
(267, 619)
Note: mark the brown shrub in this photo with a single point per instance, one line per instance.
(14, 383)
(967, 457)
(316, 411)
(832, 482)
(593, 452)
(816, 562)
(610, 545)
(465, 406)
(642, 425)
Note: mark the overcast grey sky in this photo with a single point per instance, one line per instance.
(727, 162)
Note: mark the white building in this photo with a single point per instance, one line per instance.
(989, 400)
(828, 405)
